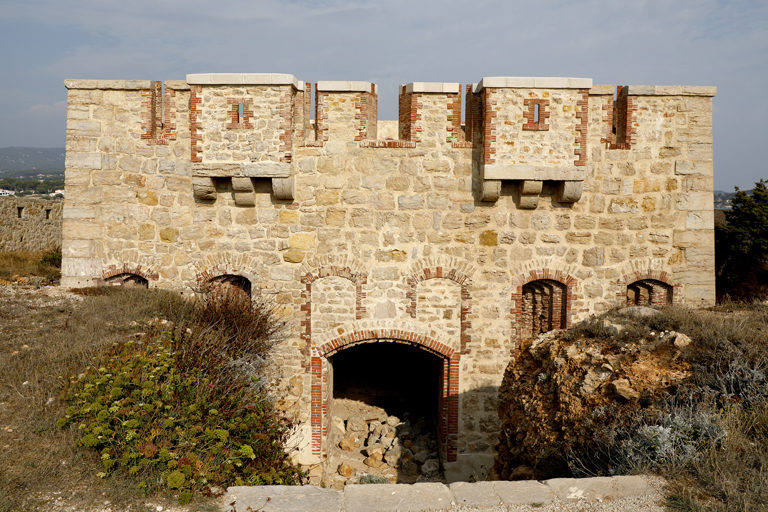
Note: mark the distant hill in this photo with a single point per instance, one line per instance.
(13, 160)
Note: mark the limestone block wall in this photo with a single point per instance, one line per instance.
(30, 224)
(366, 239)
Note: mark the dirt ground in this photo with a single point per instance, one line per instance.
(40, 467)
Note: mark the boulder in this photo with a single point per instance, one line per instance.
(339, 424)
(376, 448)
(392, 421)
(346, 470)
(357, 424)
(421, 456)
(622, 388)
(374, 460)
(430, 468)
(409, 468)
(347, 443)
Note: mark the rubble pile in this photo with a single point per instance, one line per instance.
(367, 442)
(562, 391)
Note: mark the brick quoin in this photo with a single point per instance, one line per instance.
(155, 106)
(582, 114)
(450, 386)
(195, 127)
(621, 120)
(489, 127)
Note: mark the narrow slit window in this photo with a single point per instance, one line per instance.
(536, 113)
(19, 210)
(47, 214)
(239, 112)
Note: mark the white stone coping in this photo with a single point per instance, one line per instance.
(244, 79)
(602, 90)
(671, 90)
(520, 82)
(129, 85)
(533, 172)
(331, 86)
(439, 87)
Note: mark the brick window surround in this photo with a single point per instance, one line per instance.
(530, 114)
(658, 284)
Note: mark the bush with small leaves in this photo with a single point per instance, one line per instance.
(160, 413)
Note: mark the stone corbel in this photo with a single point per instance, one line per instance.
(530, 190)
(281, 174)
(243, 192)
(569, 191)
(204, 189)
(283, 188)
(491, 190)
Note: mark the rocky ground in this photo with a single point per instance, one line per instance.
(371, 446)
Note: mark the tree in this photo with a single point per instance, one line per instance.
(741, 245)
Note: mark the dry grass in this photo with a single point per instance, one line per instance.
(730, 354)
(40, 340)
(31, 263)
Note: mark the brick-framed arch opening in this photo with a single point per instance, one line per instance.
(322, 385)
(451, 274)
(231, 286)
(127, 279)
(112, 273)
(358, 279)
(648, 288)
(542, 301)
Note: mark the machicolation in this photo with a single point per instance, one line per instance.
(486, 214)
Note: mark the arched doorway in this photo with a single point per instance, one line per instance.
(229, 286)
(428, 383)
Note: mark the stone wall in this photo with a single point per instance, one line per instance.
(457, 239)
(30, 224)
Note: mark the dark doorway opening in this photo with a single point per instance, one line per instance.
(398, 378)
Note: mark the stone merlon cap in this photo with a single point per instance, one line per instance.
(442, 87)
(520, 82)
(329, 86)
(244, 79)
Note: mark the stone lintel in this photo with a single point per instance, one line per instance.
(671, 90)
(519, 82)
(126, 85)
(602, 90)
(532, 172)
(249, 170)
(344, 86)
(436, 87)
(243, 79)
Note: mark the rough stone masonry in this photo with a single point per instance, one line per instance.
(552, 200)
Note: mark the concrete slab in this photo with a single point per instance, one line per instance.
(280, 498)
(599, 488)
(476, 494)
(523, 492)
(394, 497)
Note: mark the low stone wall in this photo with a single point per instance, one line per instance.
(30, 224)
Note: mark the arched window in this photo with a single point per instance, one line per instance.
(544, 307)
(648, 292)
(127, 279)
(229, 285)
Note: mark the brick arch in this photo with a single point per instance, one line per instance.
(449, 420)
(129, 268)
(205, 276)
(543, 274)
(357, 278)
(649, 275)
(454, 275)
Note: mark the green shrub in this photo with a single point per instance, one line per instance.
(180, 406)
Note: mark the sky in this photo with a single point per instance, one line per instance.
(391, 42)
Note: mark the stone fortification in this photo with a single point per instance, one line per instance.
(30, 224)
(552, 200)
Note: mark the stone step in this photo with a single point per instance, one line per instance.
(434, 496)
